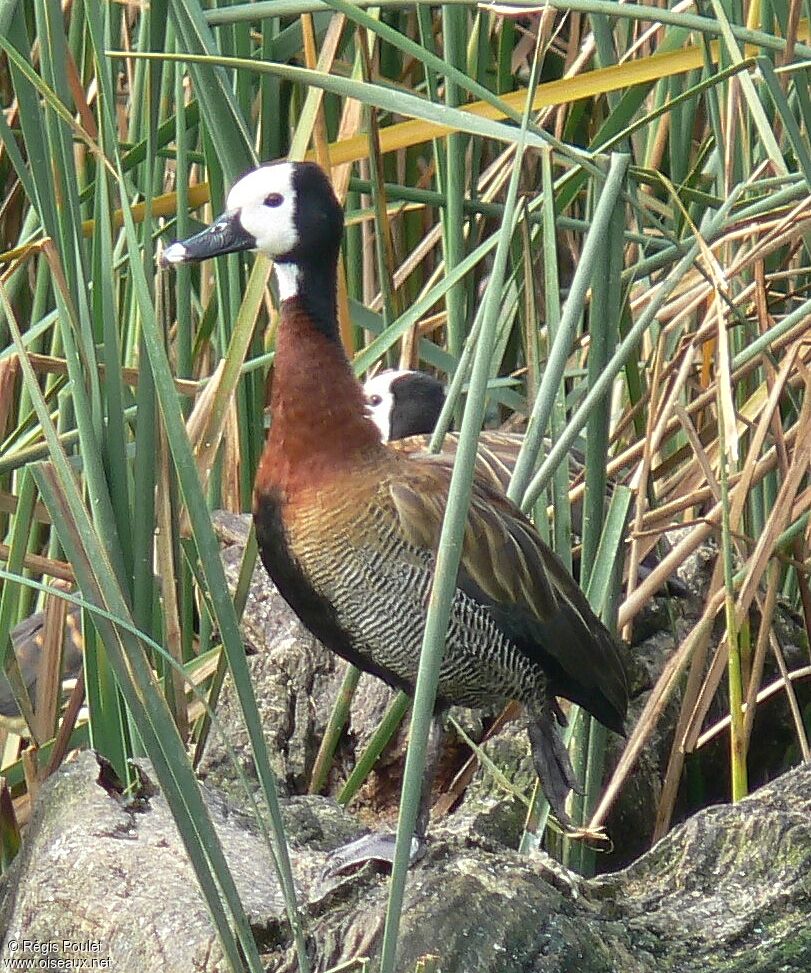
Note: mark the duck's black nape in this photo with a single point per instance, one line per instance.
(418, 400)
(319, 221)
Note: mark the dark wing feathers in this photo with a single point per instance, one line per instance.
(498, 552)
(495, 460)
(506, 567)
(501, 557)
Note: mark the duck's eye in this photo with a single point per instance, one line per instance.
(274, 199)
(375, 400)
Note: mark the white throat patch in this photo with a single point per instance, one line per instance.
(288, 277)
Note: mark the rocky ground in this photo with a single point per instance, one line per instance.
(728, 890)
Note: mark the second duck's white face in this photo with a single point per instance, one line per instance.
(380, 400)
(264, 201)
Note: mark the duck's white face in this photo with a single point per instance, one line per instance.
(404, 403)
(286, 210)
(380, 400)
(260, 215)
(264, 202)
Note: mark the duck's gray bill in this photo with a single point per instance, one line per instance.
(227, 235)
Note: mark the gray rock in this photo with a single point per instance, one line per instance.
(730, 891)
(98, 866)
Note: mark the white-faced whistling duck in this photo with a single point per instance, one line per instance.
(348, 528)
(405, 406)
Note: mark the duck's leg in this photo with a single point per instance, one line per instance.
(554, 768)
(433, 751)
(551, 759)
(380, 847)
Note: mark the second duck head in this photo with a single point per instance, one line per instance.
(404, 403)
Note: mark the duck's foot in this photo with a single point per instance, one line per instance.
(592, 836)
(371, 847)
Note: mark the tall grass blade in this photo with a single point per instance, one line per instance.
(446, 567)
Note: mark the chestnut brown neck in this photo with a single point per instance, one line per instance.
(318, 414)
